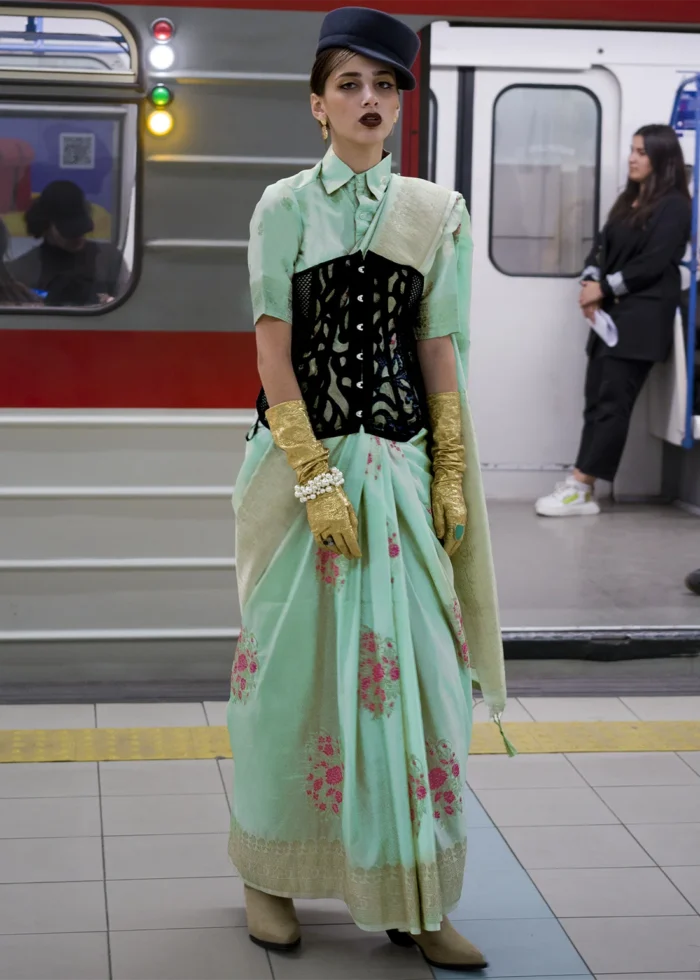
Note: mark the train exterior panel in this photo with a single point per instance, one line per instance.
(132, 413)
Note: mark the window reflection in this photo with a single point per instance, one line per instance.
(94, 43)
(66, 186)
(68, 269)
(12, 292)
(545, 179)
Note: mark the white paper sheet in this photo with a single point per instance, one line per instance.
(604, 327)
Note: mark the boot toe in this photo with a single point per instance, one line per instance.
(449, 950)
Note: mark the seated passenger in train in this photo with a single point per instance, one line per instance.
(633, 274)
(12, 293)
(67, 268)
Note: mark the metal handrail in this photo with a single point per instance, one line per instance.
(230, 76)
(193, 244)
(235, 419)
(116, 564)
(107, 635)
(199, 159)
(113, 492)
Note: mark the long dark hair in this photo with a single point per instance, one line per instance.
(668, 174)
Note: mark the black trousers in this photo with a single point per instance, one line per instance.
(613, 385)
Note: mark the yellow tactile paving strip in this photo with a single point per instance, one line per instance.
(133, 744)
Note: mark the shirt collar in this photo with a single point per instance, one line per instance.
(336, 174)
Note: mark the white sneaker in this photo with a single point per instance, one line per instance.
(569, 499)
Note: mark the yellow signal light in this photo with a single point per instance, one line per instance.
(160, 122)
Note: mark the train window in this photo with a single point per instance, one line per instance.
(545, 179)
(67, 205)
(57, 45)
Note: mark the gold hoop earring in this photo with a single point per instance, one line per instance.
(324, 131)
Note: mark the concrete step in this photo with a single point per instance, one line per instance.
(45, 450)
(117, 599)
(112, 527)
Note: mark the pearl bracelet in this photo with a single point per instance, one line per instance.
(324, 483)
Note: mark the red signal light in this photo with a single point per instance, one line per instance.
(162, 30)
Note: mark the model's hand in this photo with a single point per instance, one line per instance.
(331, 517)
(590, 311)
(449, 510)
(333, 523)
(590, 293)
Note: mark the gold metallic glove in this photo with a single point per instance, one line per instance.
(449, 508)
(331, 516)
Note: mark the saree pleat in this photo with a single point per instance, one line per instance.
(350, 710)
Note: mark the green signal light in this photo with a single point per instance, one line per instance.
(161, 96)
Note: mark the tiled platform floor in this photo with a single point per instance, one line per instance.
(579, 865)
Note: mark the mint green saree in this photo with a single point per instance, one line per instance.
(351, 691)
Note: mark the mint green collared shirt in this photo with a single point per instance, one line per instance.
(320, 214)
(304, 220)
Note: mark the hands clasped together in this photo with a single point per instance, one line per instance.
(330, 514)
(590, 298)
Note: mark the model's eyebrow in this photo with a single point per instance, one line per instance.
(357, 74)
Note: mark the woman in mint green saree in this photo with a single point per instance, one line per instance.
(363, 556)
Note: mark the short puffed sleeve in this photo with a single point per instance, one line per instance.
(275, 241)
(447, 285)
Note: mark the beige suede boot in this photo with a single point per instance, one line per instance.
(446, 949)
(272, 921)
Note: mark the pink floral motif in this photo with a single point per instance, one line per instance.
(245, 667)
(460, 633)
(394, 549)
(444, 779)
(325, 775)
(417, 792)
(330, 569)
(379, 673)
(374, 459)
(441, 788)
(374, 456)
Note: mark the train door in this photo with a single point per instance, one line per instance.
(539, 160)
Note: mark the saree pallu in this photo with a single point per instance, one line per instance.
(351, 701)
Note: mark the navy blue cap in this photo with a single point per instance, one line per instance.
(375, 35)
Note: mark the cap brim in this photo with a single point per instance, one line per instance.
(75, 227)
(404, 78)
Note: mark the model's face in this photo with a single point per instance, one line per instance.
(639, 164)
(360, 103)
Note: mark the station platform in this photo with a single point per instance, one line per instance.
(584, 850)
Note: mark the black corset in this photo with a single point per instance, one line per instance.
(354, 347)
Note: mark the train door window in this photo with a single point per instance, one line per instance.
(545, 179)
(67, 169)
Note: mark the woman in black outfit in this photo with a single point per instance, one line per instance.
(632, 273)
